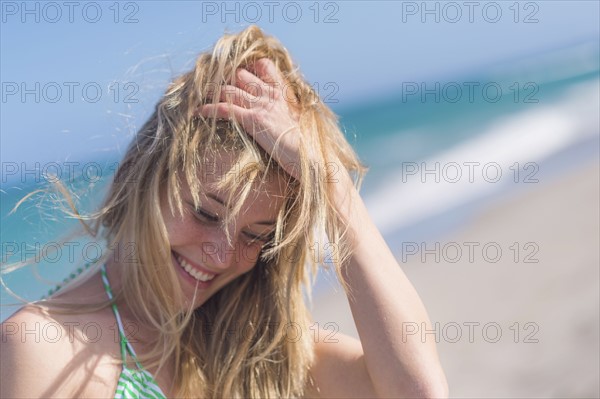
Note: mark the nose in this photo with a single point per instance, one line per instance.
(217, 252)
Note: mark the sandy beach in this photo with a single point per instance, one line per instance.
(523, 322)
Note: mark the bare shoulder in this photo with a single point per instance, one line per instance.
(339, 369)
(49, 354)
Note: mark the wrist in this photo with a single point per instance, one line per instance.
(347, 200)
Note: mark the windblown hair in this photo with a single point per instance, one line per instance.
(271, 353)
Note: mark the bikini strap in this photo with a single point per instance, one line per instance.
(125, 345)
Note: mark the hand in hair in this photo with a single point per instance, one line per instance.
(264, 105)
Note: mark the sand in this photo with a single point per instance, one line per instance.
(551, 290)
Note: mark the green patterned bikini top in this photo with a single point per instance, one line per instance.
(133, 382)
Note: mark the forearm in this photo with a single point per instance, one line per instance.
(382, 301)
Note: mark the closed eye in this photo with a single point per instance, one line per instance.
(263, 239)
(207, 216)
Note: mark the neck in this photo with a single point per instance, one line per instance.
(137, 328)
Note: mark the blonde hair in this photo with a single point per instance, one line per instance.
(273, 355)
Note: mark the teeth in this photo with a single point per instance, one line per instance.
(198, 275)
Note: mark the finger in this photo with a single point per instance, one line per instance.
(265, 69)
(224, 111)
(237, 96)
(249, 82)
(232, 95)
(240, 115)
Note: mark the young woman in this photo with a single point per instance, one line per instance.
(225, 192)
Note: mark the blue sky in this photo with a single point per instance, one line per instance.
(355, 51)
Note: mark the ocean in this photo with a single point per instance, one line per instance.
(436, 150)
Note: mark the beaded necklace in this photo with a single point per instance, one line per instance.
(70, 278)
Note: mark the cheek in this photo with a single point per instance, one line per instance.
(248, 258)
(180, 231)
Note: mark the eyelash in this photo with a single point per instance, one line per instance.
(208, 218)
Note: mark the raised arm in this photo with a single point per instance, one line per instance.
(382, 364)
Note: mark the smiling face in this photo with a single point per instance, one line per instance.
(203, 257)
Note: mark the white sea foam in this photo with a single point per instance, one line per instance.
(409, 196)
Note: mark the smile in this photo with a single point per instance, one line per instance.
(194, 272)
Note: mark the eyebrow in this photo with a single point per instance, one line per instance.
(220, 201)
